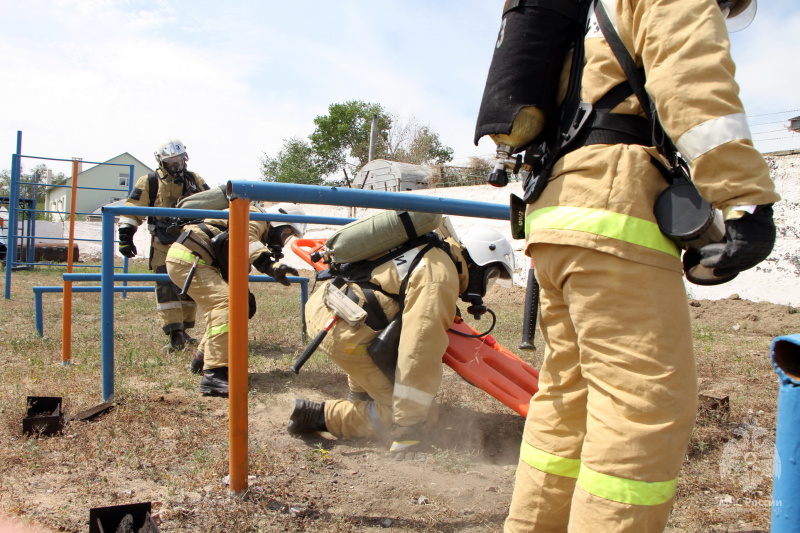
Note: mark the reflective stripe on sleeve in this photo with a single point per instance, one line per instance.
(712, 133)
(169, 305)
(217, 330)
(626, 490)
(183, 255)
(549, 463)
(415, 395)
(600, 222)
(127, 220)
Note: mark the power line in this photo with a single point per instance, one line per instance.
(768, 131)
(775, 113)
(764, 123)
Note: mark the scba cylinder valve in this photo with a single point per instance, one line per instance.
(506, 163)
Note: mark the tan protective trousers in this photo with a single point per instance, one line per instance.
(607, 432)
(210, 292)
(174, 311)
(351, 420)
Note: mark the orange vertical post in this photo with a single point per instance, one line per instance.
(238, 272)
(66, 318)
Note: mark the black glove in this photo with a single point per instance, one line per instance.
(263, 262)
(748, 241)
(126, 246)
(279, 271)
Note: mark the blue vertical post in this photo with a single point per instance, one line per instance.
(107, 305)
(785, 503)
(13, 214)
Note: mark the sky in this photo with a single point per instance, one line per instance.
(233, 80)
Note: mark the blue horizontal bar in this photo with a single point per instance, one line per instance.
(90, 288)
(79, 161)
(342, 196)
(75, 265)
(211, 213)
(157, 277)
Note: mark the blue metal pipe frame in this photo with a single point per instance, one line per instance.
(786, 474)
(38, 291)
(107, 275)
(13, 215)
(310, 194)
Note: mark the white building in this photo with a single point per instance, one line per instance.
(383, 175)
(97, 186)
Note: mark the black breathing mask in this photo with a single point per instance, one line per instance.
(481, 278)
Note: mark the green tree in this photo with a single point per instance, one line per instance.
(343, 135)
(296, 162)
(409, 142)
(424, 148)
(5, 182)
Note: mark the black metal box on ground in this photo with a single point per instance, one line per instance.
(133, 517)
(44, 416)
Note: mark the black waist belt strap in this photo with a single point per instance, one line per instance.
(605, 127)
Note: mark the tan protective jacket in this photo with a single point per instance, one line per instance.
(602, 196)
(429, 309)
(168, 193)
(200, 240)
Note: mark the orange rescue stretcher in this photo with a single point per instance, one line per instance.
(482, 361)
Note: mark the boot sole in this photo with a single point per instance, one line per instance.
(207, 391)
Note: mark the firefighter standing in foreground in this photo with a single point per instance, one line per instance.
(608, 430)
(164, 188)
(398, 410)
(209, 286)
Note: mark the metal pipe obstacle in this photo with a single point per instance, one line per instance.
(786, 474)
(240, 193)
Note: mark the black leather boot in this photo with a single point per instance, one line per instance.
(176, 342)
(215, 381)
(198, 360)
(307, 417)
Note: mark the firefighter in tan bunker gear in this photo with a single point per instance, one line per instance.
(398, 410)
(608, 430)
(209, 286)
(164, 188)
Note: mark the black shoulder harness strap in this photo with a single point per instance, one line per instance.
(636, 79)
(152, 187)
(360, 273)
(189, 181)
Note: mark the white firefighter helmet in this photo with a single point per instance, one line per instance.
(486, 245)
(738, 13)
(172, 156)
(299, 228)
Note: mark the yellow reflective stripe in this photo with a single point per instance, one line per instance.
(600, 222)
(626, 490)
(184, 255)
(216, 330)
(549, 463)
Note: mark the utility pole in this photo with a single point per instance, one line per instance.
(373, 137)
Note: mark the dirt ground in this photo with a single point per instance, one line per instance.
(168, 445)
